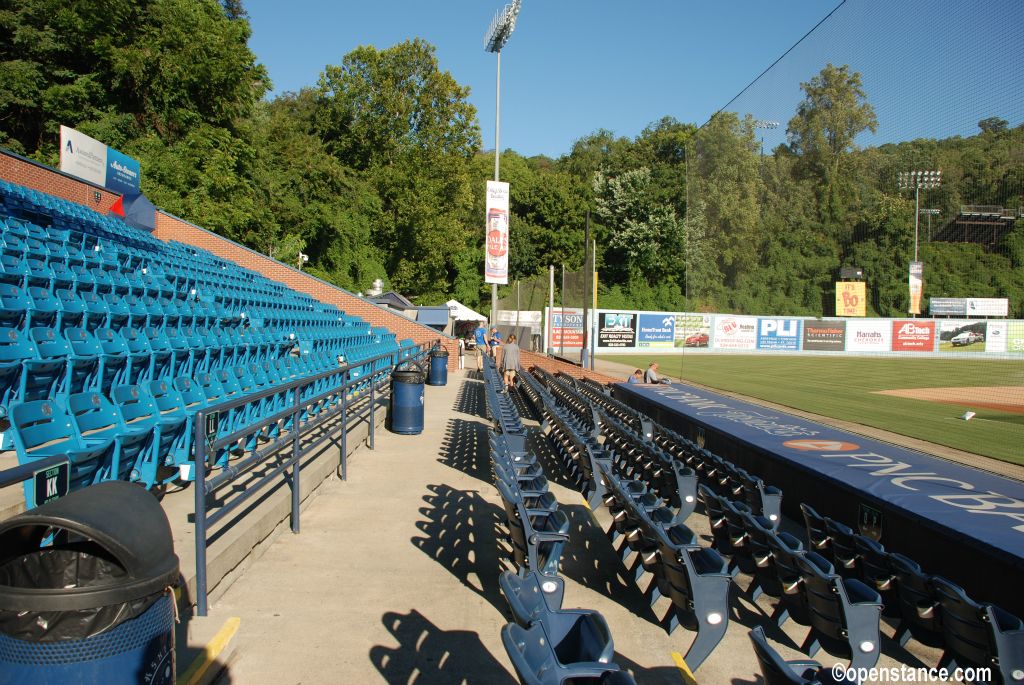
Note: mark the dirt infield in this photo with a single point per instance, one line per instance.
(1007, 398)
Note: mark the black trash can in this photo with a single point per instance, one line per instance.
(407, 400)
(438, 366)
(85, 590)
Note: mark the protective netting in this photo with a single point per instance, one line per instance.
(865, 195)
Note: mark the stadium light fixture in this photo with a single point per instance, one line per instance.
(919, 179)
(496, 37)
(765, 125)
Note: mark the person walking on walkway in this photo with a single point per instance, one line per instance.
(480, 341)
(510, 361)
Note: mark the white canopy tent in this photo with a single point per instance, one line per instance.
(461, 312)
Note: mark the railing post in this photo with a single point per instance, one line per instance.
(373, 404)
(199, 485)
(296, 443)
(344, 425)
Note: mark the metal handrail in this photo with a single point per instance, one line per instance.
(23, 472)
(203, 448)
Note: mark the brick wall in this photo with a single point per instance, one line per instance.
(52, 182)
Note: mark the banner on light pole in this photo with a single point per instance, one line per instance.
(496, 236)
(916, 281)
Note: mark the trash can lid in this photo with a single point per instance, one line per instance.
(410, 375)
(120, 517)
(439, 352)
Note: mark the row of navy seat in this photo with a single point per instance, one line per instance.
(546, 643)
(838, 587)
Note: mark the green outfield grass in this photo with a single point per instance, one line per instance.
(844, 388)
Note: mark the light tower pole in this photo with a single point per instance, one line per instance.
(763, 125)
(918, 180)
(498, 33)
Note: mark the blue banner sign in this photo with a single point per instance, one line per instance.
(657, 330)
(778, 334)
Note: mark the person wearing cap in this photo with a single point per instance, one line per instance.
(494, 342)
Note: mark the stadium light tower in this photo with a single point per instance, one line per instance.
(918, 180)
(763, 125)
(498, 33)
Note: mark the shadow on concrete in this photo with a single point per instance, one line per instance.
(427, 655)
(554, 470)
(465, 449)
(470, 399)
(590, 560)
(459, 533)
(523, 406)
(659, 675)
(189, 654)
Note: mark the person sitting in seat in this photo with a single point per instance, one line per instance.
(651, 376)
(635, 377)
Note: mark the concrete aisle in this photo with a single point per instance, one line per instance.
(394, 577)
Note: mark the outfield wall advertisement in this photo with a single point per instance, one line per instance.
(622, 331)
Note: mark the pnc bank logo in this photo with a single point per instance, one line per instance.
(821, 445)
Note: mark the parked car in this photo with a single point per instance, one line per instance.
(966, 338)
(697, 340)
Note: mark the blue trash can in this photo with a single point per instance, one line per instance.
(438, 366)
(85, 590)
(407, 400)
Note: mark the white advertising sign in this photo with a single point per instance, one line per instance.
(496, 233)
(988, 306)
(83, 156)
(868, 335)
(995, 338)
(735, 333)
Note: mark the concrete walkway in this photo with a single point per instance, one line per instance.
(394, 577)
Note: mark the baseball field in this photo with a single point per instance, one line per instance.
(919, 398)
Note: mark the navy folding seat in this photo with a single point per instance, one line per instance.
(777, 671)
(537, 540)
(875, 568)
(534, 656)
(140, 356)
(817, 532)
(85, 366)
(43, 308)
(96, 420)
(844, 551)
(844, 613)
(14, 306)
(764, 500)
(921, 615)
(793, 599)
(979, 635)
(71, 309)
(43, 429)
(715, 509)
(576, 634)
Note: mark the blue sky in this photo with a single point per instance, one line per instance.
(570, 68)
(931, 67)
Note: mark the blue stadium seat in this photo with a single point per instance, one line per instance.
(778, 671)
(46, 372)
(43, 308)
(85, 365)
(140, 356)
(533, 655)
(14, 306)
(136, 406)
(15, 349)
(71, 309)
(43, 429)
(96, 421)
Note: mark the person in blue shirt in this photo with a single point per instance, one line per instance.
(480, 340)
(495, 342)
(636, 377)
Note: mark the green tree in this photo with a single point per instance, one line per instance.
(822, 133)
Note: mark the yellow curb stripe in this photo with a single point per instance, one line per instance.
(214, 647)
(585, 502)
(684, 670)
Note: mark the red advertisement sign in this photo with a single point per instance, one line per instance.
(913, 336)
